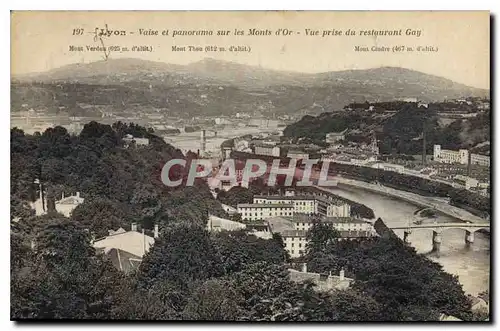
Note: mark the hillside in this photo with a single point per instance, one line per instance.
(221, 87)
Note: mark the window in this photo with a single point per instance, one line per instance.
(292, 245)
(300, 245)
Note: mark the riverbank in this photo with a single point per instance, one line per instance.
(422, 201)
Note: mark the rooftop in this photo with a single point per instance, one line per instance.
(331, 200)
(71, 200)
(280, 224)
(131, 242)
(292, 233)
(265, 205)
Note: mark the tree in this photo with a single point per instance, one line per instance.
(238, 249)
(319, 236)
(64, 278)
(183, 254)
(99, 215)
(213, 300)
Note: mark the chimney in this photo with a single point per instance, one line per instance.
(133, 227)
(469, 157)
(32, 244)
(156, 232)
(341, 274)
(424, 145)
(62, 195)
(77, 194)
(304, 267)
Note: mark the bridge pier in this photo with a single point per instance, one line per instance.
(469, 237)
(406, 235)
(436, 240)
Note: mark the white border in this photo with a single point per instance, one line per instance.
(493, 6)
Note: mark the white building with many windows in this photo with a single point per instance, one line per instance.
(293, 230)
(461, 156)
(308, 204)
(478, 159)
(303, 222)
(262, 211)
(449, 156)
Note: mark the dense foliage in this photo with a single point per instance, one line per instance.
(403, 285)
(399, 133)
(120, 185)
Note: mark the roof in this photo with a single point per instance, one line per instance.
(332, 200)
(264, 145)
(122, 260)
(218, 222)
(131, 242)
(265, 205)
(228, 207)
(281, 197)
(294, 233)
(336, 133)
(72, 200)
(305, 218)
(345, 220)
(343, 234)
(324, 282)
(447, 318)
(279, 224)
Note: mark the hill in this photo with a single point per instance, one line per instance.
(228, 87)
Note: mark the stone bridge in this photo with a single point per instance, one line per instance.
(437, 229)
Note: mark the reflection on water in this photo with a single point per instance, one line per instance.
(470, 263)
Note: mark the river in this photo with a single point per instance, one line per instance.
(471, 264)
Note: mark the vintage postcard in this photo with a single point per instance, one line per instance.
(250, 166)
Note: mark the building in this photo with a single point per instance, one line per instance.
(296, 240)
(323, 282)
(308, 204)
(301, 204)
(466, 181)
(262, 211)
(216, 224)
(449, 156)
(334, 137)
(448, 318)
(129, 139)
(481, 160)
(461, 156)
(265, 149)
(125, 249)
(296, 154)
(66, 205)
(293, 230)
(341, 224)
(389, 167)
(228, 209)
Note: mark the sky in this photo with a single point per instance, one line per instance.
(40, 41)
